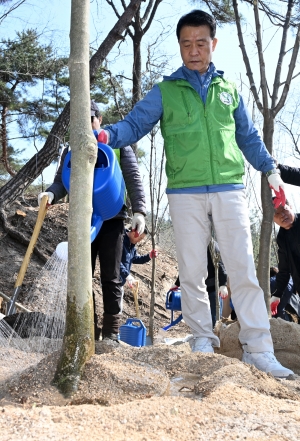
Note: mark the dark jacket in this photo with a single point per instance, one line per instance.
(130, 256)
(210, 281)
(289, 302)
(289, 175)
(289, 257)
(131, 175)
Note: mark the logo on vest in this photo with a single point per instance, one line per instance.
(226, 98)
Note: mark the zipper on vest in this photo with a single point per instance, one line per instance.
(208, 131)
(185, 105)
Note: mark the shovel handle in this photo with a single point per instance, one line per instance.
(135, 297)
(38, 225)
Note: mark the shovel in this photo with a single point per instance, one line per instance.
(135, 297)
(10, 308)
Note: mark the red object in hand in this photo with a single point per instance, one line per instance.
(102, 137)
(280, 198)
(274, 307)
(153, 254)
(136, 234)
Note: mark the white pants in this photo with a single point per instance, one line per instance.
(191, 216)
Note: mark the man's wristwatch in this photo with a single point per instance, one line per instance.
(274, 171)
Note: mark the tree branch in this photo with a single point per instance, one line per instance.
(262, 66)
(286, 26)
(157, 2)
(246, 58)
(12, 8)
(289, 74)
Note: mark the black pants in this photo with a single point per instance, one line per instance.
(108, 246)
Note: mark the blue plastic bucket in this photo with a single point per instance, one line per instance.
(108, 187)
(173, 300)
(133, 332)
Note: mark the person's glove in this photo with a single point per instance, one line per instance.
(277, 184)
(153, 254)
(223, 292)
(130, 281)
(103, 137)
(138, 223)
(49, 194)
(274, 302)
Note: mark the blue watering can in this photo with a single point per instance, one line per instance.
(108, 188)
(173, 303)
(133, 332)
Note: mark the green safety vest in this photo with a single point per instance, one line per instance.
(199, 139)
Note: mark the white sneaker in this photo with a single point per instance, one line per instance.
(266, 362)
(201, 344)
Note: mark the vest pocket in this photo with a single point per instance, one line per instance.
(187, 164)
(186, 106)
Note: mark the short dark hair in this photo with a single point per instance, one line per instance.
(273, 271)
(197, 18)
(94, 110)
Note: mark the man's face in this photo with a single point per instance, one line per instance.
(96, 124)
(284, 217)
(196, 47)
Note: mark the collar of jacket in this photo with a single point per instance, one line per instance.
(184, 73)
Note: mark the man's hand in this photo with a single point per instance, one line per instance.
(138, 223)
(103, 137)
(277, 184)
(153, 254)
(223, 292)
(130, 281)
(49, 194)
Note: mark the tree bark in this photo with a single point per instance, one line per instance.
(263, 267)
(34, 167)
(4, 158)
(78, 342)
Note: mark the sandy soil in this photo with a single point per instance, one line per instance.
(160, 392)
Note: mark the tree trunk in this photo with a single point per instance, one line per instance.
(4, 158)
(34, 167)
(78, 342)
(152, 300)
(263, 269)
(136, 67)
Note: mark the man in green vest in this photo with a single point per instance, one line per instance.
(207, 130)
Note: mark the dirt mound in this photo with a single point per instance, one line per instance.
(120, 373)
(246, 376)
(286, 339)
(158, 393)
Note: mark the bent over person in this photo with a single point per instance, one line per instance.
(288, 240)
(108, 244)
(207, 130)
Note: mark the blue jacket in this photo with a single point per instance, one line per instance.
(148, 112)
(130, 256)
